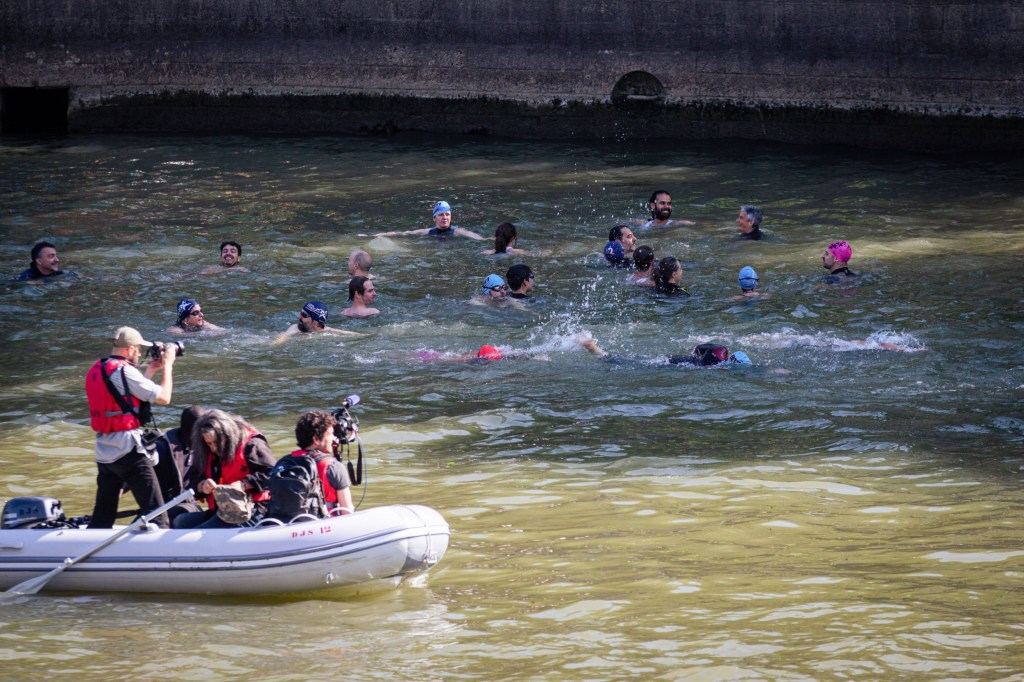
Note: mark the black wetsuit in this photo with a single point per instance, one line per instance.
(839, 275)
(754, 234)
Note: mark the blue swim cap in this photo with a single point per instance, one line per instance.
(739, 358)
(748, 278)
(441, 207)
(185, 306)
(614, 253)
(317, 311)
(492, 282)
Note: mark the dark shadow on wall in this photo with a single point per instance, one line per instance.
(34, 111)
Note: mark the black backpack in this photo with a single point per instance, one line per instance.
(295, 488)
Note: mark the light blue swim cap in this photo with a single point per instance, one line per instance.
(748, 278)
(441, 207)
(492, 282)
(739, 358)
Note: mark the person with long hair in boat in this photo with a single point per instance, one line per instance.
(236, 455)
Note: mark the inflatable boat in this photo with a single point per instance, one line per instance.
(366, 551)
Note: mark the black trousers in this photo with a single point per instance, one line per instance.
(136, 472)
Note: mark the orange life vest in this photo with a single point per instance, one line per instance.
(235, 470)
(105, 415)
(323, 462)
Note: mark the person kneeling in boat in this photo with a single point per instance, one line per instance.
(178, 468)
(119, 404)
(235, 455)
(314, 434)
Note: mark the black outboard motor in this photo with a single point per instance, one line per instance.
(32, 512)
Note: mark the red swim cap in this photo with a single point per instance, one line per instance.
(489, 353)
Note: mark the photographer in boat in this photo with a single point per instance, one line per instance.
(315, 436)
(237, 461)
(120, 398)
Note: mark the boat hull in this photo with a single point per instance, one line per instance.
(379, 546)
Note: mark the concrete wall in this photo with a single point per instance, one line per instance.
(934, 75)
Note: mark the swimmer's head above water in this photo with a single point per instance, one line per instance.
(489, 353)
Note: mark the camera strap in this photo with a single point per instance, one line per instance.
(355, 474)
(142, 414)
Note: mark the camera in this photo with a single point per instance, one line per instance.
(346, 426)
(157, 350)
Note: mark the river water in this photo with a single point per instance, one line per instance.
(835, 511)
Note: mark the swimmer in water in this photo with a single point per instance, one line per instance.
(660, 206)
(835, 259)
(312, 320)
(749, 222)
(704, 355)
(643, 259)
(494, 292)
(361, 293)
(505, 237)
(748, 282)
(486, 353)
(443, 227)
(191, 319)
(619, 249)
(230, 259)
(667, 277)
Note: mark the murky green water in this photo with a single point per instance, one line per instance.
(834, 512)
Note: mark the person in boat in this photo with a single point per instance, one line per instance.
(704, 355)
(191, 319)
(312, 320)
(178, 468)
(619, 249)
(120, 398)
(359, 263)
(660, 206)
(314, 434)
(361, 294)
(748, 282)
(505, 238)
(749, 222)
(520, 281)
(836, 260)
(43, 264)
(233, 453)
(667, 277)
(443, 227)
(643, 260)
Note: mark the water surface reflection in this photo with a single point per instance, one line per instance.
(835, 511)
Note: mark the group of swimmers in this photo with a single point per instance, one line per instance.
(664, 276)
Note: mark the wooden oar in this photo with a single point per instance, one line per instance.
(33, 585)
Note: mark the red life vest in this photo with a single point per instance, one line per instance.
(105, 415)
(235, 470)
(323, 462)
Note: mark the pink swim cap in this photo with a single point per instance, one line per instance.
(841, 250)
(489, 353)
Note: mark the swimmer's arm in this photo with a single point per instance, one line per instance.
(591, 345)
(468, 233)
(212, 327)
(398, 233)
(342, 331)
(174, 330)
(285, 335)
